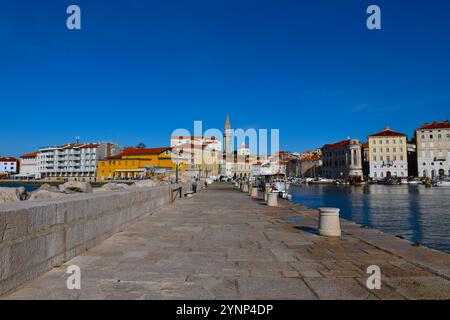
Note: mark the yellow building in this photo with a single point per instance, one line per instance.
(388, 154)
(133, 163)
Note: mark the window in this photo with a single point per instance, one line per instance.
(374, 149)
(395, 149)
(381, 141)
(387, 149)
(387, 141)
(401, 157)
(439, 136)
(381, 149)
(374, 158)
(395, 158)
(431, 136)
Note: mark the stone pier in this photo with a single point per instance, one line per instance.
(224, 244)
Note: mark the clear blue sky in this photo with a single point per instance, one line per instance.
(139, 69)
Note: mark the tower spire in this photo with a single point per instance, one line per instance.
(227, 123)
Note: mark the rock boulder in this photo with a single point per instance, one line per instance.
(75, 186)
(10, 194)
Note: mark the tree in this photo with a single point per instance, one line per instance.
(141, 145)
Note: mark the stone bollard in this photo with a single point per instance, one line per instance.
(254, 193)
(250, 190)
(329, 225)
(272, 199)
(245, 187)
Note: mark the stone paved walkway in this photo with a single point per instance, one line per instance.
(221, 244)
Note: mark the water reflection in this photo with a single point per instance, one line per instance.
(418, 214)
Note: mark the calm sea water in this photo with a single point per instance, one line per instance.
(417, 213)
(28, 187)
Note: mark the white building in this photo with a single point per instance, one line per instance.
(29, 166)
(388, 155)
(8, 165)
(73, 160)
(433, 149)
(201, 153)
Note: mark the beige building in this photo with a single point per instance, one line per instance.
(201, 154)
(388, 154)
(433, 149)
(342, 160)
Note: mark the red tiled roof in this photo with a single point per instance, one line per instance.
(313, 158)
(10, 159)
(436, 125)
(90, 145)
(339, 144)
(131, 151)
(387, 133)
(30, 155)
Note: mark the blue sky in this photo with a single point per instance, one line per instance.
(140, 69)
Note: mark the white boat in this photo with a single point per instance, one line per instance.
(443, 183)
(279, 185)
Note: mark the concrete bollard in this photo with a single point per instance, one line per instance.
(245, 187)
(249, 190)
(254, 193)
(272, 199)
(329, 225)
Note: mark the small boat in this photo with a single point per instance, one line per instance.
(321, 180)
(443, 183)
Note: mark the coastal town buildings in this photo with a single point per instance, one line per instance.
(342, 160)
(433, 149)
(135, 163)
(73, 160)
(293, 168)
(388, 154)
(8, 165)
(28, 165)
(310, 167)
(202, 154)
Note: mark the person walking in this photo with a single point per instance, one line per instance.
(194, 186)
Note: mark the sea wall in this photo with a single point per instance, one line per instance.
(38, 235)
